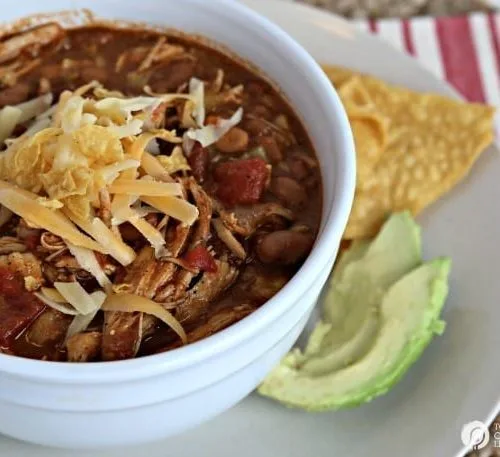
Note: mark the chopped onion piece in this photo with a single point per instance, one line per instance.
(76, 296)
(81, 322)
(149, 188)
(9, 118)
(175, 207)
(63, 308)
(210, 134)
(88, 261)
(129, 303)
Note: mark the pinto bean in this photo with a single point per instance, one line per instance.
(284, 247)
(233, 142)
(289, 191)
(255, 126)
(272, 149)
(298, 168)
(261, 111)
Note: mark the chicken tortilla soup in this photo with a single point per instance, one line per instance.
(153, 191)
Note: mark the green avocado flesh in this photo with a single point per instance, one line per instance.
(381, 309)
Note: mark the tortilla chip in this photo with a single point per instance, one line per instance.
(370, 132)
(432, 143)
(352, 91)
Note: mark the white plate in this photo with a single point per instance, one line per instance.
(457, 379)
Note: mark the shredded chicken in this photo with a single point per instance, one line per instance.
(9, 244)
(246, 220)
(200, 232)
(230, 95)
(228, 238)
(84, 347)
(219, 321)
(34, 38)
(195, 302)
(49, 328)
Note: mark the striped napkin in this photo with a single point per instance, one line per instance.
(464, 50)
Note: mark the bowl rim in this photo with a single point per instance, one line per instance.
(334, 222)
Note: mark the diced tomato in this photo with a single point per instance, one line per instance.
(198, 161)
(241, 181)
(200, 259)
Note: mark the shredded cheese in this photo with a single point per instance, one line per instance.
(154, 168)
(151, 234)
(130, 303)
(35, 107)
(81, 322)
(76, 296)
(142, 187)
(141, 142)
(175, 207)
(9, 118)
(124, 107)
(197, 91)
(25, 205)
(88, 261)
(210, 134)
(175, 162)
(53, 294)
(61, 307)
(115, 247)
(132, 128)
(111, 172)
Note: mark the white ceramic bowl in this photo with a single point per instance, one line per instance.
(134, 401)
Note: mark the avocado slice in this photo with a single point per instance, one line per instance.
(382, 308)
(362, 276)
(409, 317)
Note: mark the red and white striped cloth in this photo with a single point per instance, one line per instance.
(464, 50)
